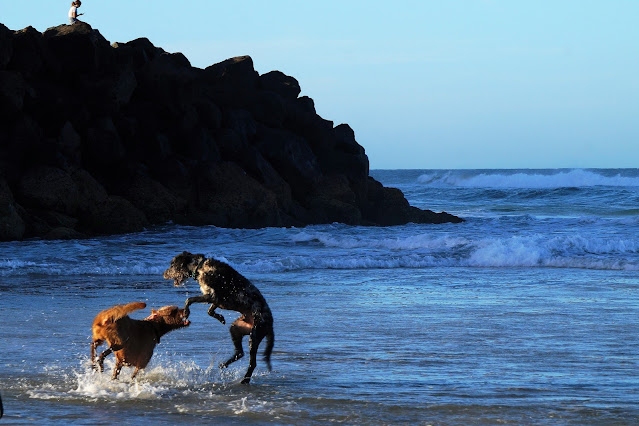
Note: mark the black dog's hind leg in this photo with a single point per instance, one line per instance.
(206, 298)
(254, 343)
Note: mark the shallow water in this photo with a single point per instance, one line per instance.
(527, 313)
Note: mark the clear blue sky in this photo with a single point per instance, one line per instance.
(424, 83)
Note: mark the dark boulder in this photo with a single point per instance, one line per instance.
(269, 109)
(12, 226)
(233, 73)
(291, 157)
(69, 144)
(157, 203)
(228, 197)
(6, 46)
(13, 89)
(114, 215)
(78, 49)
(280, 83)
(333, 200)
(231, 82)
(28, 55)
(48, 189)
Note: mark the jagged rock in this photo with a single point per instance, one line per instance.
(280, 83)
(103, 147)
(78, 49)
(231, 82)
(227, 197)
(101, 139)
(69, 144)
(335, 201)
(269, 109)
(28, 52)
(242, 122)
(291, 157)
(6, 45)
(12, 92)
(63, 233)
(154, 200)
(115, 215)
(11, 224)
(233, 148)
(234, 73)
(48, 188)
(123, 88)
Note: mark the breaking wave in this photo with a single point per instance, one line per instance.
(576, 178)
(330, 250)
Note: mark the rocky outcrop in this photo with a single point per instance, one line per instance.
(100, 138)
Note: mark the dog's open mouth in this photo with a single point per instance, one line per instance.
(177, 276)
(186, 323)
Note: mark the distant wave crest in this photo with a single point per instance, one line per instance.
(575, 178)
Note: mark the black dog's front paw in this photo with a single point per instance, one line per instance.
(215, 315)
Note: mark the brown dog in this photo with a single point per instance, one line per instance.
(132, 340)
(224, 287)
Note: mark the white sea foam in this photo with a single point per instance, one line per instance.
(322, 250)
(409, 242)
(516, 251)
(15, 264)
(155, 382)
(570, 251)
(533, 179)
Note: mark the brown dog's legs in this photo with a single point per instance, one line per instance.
(239, 329)
(101, 358)
(135, 373)
(94, 346)
(116, 370)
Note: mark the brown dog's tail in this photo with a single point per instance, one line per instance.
(270, 341)
(113, 314)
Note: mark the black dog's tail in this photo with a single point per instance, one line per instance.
(270, 341)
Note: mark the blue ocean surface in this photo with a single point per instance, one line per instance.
(526, 313)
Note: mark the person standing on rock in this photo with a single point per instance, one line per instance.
(73, 12)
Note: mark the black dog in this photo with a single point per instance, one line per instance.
(224, 287)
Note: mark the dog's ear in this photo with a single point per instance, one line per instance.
(154, 314)
(106, 321)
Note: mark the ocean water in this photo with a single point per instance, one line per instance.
(527, 313)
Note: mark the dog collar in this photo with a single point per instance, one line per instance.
(194, 274)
